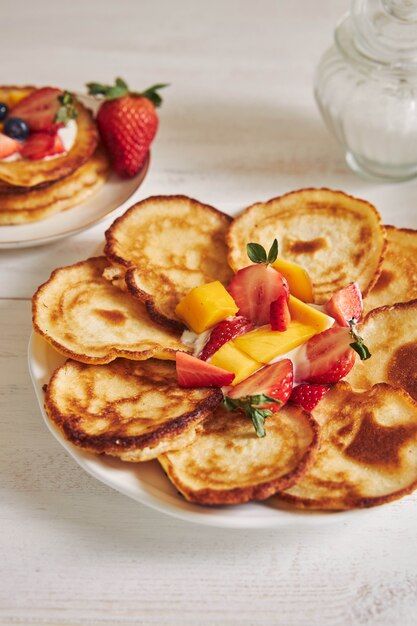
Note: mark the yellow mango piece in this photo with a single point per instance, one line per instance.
(302, 312)
(264, 344)
(205, 306)
(13, 97)
(298, 279)
(230, 358)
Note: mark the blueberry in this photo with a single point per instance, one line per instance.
(4, 109)
(16, 128)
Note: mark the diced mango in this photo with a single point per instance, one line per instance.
(205, 306)
(302, 312)
(264, 344)
(298, 279)
(230, 358)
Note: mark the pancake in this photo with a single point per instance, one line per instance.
(131, 410)
(229, 464)
(398, 279)
(40, 202)
(27, 173)
(390, 333)
(338, 239)
(85, 317)
(166, 245)
(368, 450)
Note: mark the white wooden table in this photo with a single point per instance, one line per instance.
(239, 124)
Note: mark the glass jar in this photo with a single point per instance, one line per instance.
(366, 88)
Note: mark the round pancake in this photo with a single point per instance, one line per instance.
(338, 239)
(168, 245)
(398, 279)
(131, 410)
(27, 173)
(390, 333)
(83, 316)
(368, 450)
(43, 201)
(229, 464)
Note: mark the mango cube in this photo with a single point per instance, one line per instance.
(298, 279)
(264, 344)
(230, 358)
(205, 306)
(302, 312)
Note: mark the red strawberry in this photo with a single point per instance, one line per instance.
(253, 289)
(346, 305)
(193, 372)
(329, 356)
(263, 393)
(280, 316)
(307, 395)
(40, 145)
(8, 146)
(127, 124)
(223, 332)
(39, 108)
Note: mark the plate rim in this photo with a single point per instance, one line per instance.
(39, 241)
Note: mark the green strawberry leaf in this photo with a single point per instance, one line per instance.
(152, 93)
(67, 110)
(110, 92)
(358, 345)
(250, 406)
(273, 252)
(256, 253)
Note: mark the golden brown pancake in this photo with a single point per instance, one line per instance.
(368, 450)
(338, 239)
(390, 333)
(88, 319)
(28, 173)
(229, 464)
(42, 201)
(167, 245)
(131, 410)
(398, 279)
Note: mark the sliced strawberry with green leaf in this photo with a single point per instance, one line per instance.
(308, 395)
(193, 372)
(346, 305)
(280, 316)
(263, 393)
(223, 332)
(8, 146)
(330, 355)
(43, 108)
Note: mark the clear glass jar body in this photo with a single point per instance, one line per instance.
(371, 108)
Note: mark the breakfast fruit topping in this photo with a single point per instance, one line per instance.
(44, 108)
(192, 372)
(8, 146)
(4, 109)
(16, 128)
(205, 306)
(224, 331)
(263, 393)
(41, 145)
(253, 288)
(346, 305)
(308, 395)
(127, 123)
(280, 316)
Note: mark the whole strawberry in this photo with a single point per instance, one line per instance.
(127, 123)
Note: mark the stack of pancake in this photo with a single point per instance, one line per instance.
(33, 190)
(117, 394)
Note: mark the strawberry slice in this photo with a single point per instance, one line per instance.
(40, 145)
(39, 108)
(346, 305)
(263, 393)
(308, 395)
(329, 356)
(223, 332)
(193, 372)
(8, 146)
(280, 316)
(253, 289)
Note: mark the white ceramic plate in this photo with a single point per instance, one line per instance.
(114, 194)
(146, 482)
